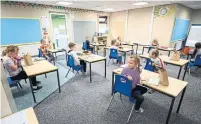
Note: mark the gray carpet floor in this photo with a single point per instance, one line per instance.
(81, 102)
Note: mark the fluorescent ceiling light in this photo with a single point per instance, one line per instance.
(108, 9)
(64, 3)
(140, 3)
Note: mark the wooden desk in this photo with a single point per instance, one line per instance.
(30, 117)
(96, 45)
(55, 51)
(167, 60)
(38, 68)
(172, 90)
(159, 48)
(92, 58)
(135, 44)
(124, 51)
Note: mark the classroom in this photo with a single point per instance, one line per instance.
(100, 62)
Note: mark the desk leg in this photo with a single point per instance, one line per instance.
(169, 53)
(112, 82)
(179, 72)
(66, 56)
(170, 110)
(90, 72)
(32, 90)
(104, 52)
(185, 71)
(58, 81)
(94, 47)
(136, 49)
(97, 50)
(105, 67)
(142, 50)
(187, 56)
(182, 95)
(132, 50)
(55, 55)
(124, 57)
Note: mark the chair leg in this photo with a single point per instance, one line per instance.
(189, 71)
(110, 101)
(68, 72)
(25, 81)
(108, 62)
(121, 98)
(45, 75)
(130, 113)
(19, 85)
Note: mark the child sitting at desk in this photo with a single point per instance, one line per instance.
(89, 47)
(157, 62)
(155, 43)
(45, 53)
(115, 46)
(132, 72)
(197, 51)
(13, 67)
(73, 53)
(119, 40)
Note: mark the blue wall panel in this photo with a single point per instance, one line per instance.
(180, 29)
(20, 31)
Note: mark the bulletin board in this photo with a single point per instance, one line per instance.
(20, 31)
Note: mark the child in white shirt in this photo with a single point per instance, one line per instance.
(73, 53)
(157, 62)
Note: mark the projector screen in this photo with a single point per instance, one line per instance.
(194, 35)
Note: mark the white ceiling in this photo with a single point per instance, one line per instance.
(117, 5)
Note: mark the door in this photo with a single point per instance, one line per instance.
(59, 26)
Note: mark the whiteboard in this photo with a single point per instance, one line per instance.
(194, 35)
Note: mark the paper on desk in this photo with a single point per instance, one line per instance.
(17, 118)
(154, 81)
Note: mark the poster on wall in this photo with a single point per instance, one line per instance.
(44, 22)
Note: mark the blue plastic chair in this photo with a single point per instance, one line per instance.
(15, 83)
(84, 46)
(123, 86)
(70, 63)
(114, 55)
(197, 63)
(148, 65)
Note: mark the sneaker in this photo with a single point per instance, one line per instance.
(37, 87)
(139, 111)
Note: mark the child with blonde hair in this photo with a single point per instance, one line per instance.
(155, 43)
(13, 69)
(132, 72)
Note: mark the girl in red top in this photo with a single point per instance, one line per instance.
(45, 53)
